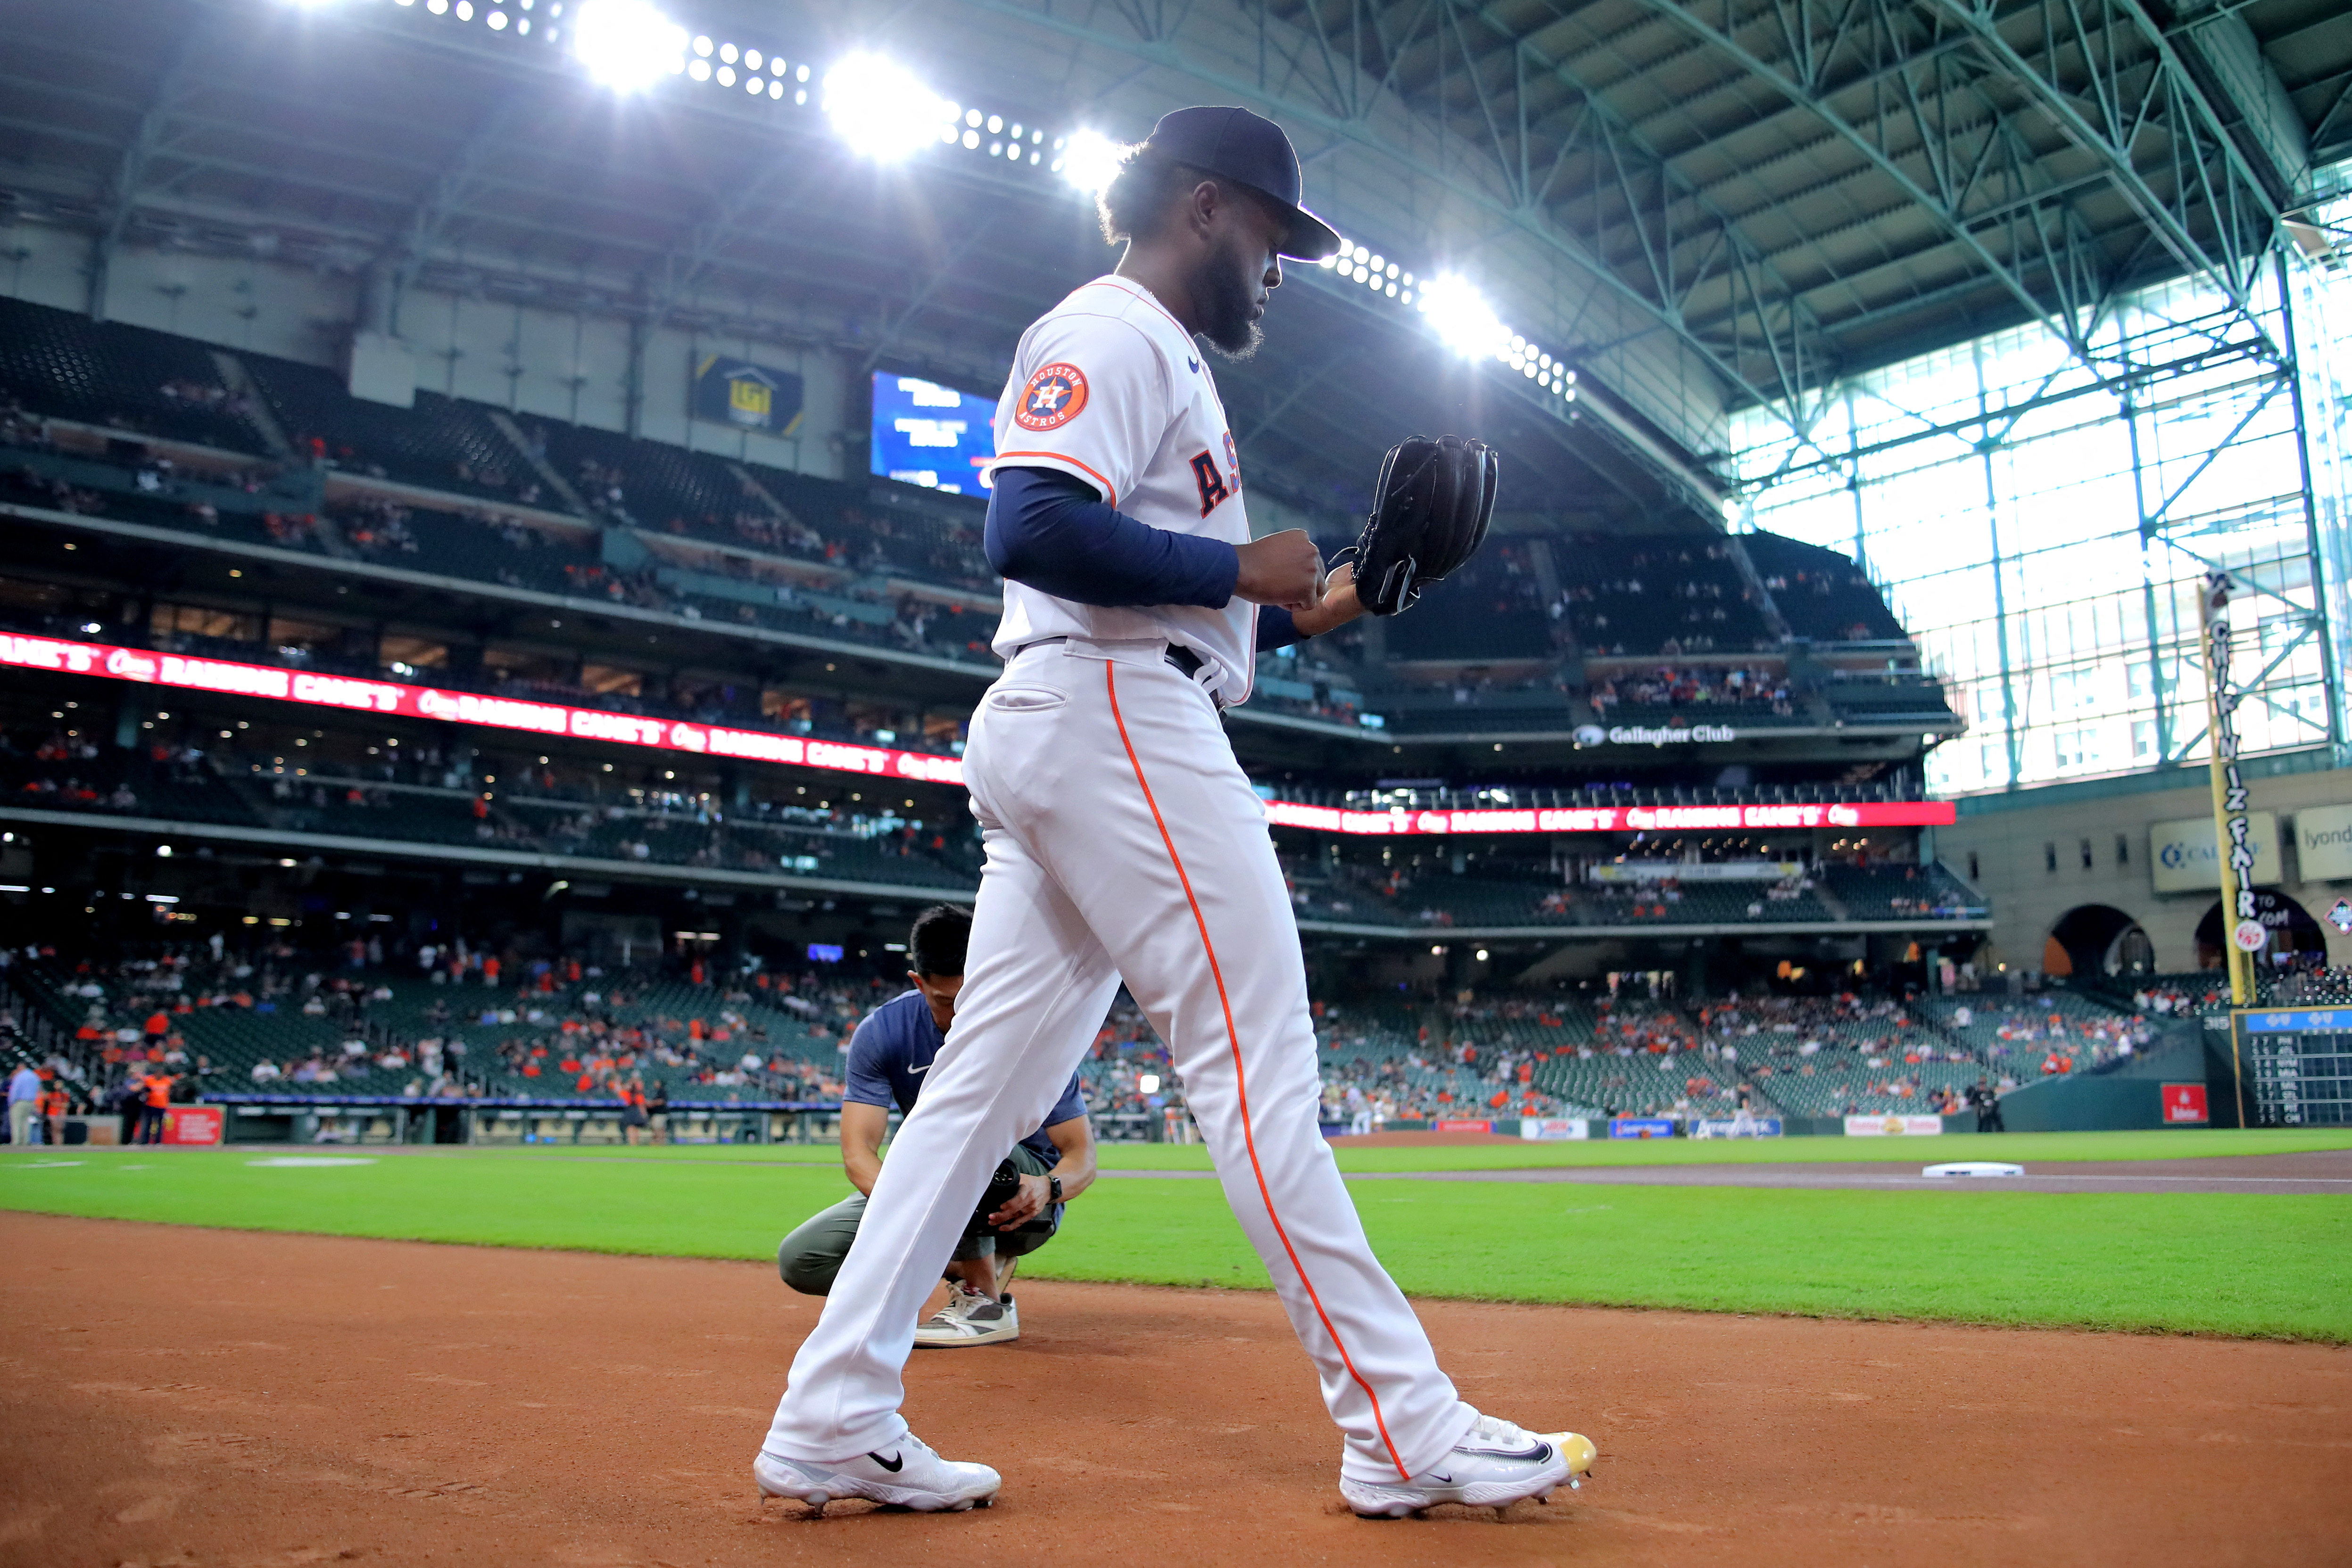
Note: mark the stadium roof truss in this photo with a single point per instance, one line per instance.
(1789, 189)
(1704, 207)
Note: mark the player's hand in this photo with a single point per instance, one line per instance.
(1283, 569)
(1023, 1206)
(1338, 607)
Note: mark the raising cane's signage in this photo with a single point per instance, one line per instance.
(352, 695)
(1613, 818)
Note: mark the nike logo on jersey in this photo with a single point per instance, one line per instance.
(894, 1464)
(924, 1068)
(1191, 364)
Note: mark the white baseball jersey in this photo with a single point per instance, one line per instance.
(1109, 388)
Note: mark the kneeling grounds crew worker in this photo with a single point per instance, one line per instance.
(889, 1055)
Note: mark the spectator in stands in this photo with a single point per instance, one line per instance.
(54, 1105)
(891, 1050)
(155, 1089)
(23, 1104)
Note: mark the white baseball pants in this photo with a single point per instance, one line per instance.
(1124, 842)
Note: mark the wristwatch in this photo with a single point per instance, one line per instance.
(1054, 1186)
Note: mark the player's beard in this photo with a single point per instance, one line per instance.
(1228, 293)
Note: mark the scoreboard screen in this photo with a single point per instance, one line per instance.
(932, 436)
(2297, 1065)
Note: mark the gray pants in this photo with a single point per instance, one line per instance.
(810, 1256)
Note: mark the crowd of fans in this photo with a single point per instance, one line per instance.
(1685, 686)
(1671, 596)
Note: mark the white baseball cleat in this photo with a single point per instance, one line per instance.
(968, 1317)
(908, 1475)
(1494, 1466)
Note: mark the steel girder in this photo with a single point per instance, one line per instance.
(180, 78)
(1951, 128)
(1498, 166)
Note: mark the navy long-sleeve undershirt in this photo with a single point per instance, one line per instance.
(1053, 532)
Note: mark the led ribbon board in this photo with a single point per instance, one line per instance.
(1616, 818)
(352, 694)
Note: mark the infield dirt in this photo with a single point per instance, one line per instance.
(214, 1399)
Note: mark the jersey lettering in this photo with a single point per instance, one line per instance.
(1213, 492)
(1233, 460)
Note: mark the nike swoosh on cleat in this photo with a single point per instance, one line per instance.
(1441, 1480)
(894, 1464)
(1541, 1451)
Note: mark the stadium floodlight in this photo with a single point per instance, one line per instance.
(879, 108)
(1091, 162)
(626, 45)
(1461, 317)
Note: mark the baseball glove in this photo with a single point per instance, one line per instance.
(1430, 513)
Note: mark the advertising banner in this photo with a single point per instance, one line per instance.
(2323, 842)
(192, 1126)
(1892, 1126)
(352, 694)
(1694, 871)
(1721, 1127)
(1553, 1129)
(745, 395)
(1613, 818)
(2181, 857)
(1641, 1128)
(1466, 1126)
(2184, 1106)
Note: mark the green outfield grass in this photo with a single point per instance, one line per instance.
(2264, 1266)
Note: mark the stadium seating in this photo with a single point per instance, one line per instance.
(1890, 699)
(1901, 891)
(125, 378)
(1820, 594)
(1655, 594)
(1489, 612)
(441, 444)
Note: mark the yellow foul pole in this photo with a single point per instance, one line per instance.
(2235, 850)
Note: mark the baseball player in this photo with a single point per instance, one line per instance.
(1124, 842)
(1743, 1120)
(889, 1055)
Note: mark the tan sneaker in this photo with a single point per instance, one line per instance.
(969, 1317)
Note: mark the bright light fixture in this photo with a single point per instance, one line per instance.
(626, 45)
(1090, 161)
(1147, 1083)
(1462, 317)
(880, 109)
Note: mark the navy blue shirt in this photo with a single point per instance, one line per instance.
(893, 1048)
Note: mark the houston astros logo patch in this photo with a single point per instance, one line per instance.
(1052, 399)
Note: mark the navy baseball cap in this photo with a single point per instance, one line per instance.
(1249, 150)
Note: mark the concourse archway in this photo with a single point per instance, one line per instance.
(2097, 939)
(2296, 942)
